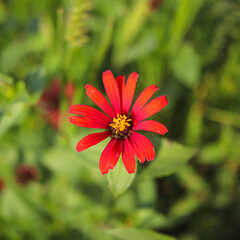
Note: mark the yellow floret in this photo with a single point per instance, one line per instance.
(120, 123)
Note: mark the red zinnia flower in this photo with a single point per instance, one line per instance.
(26, 174)
(120, 123)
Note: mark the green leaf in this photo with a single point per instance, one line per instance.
(65, 160)
(212, 154)
(13, 111)
(139, 50)
(104, 43)
(184, 207)
(62, 160)
(5, 80)
(194, 124)
(170, 157)
(129, 29)
(119, 179)
(6, 88)
(139, 234)
(186, 12)
(147, 217)
(68, 162)
(13, 206)
(3, 12)
(16, 52)
(186, 66)
(11, 116)
(216, 152)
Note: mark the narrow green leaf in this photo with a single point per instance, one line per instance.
(194, 124)
(139, 234)
(119, 179)
(129, 29)
(186, 12)
(104, 43)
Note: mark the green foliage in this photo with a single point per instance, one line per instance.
(190, 50)
(169, 158)
(119, 180)
(124, 234)
(186, 66)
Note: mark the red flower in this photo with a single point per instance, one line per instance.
(50, 101)
(120, 123)
(50, 98)
(2, 185)
(26, 174)
(69, 92)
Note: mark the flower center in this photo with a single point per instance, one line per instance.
(121, 126)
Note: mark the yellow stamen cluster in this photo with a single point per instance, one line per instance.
(120, 123)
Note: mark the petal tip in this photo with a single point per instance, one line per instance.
(106, 74)
(87, 86)
(78, 149)
(165, 99)
(165, 131)
(135, 74)
(151, 159)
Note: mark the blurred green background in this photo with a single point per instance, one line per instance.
(50, 49)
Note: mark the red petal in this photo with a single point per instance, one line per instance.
(104, 159)
(143, 98)
(92, 139)
(97, 97)
(138, 152)
(89, 112)
(128, 157)
(151, 126)
(121, 85)
(116, 149)
(129, 92)
(151, 108)
(111, 88)
(144, 144)
(88, 122)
